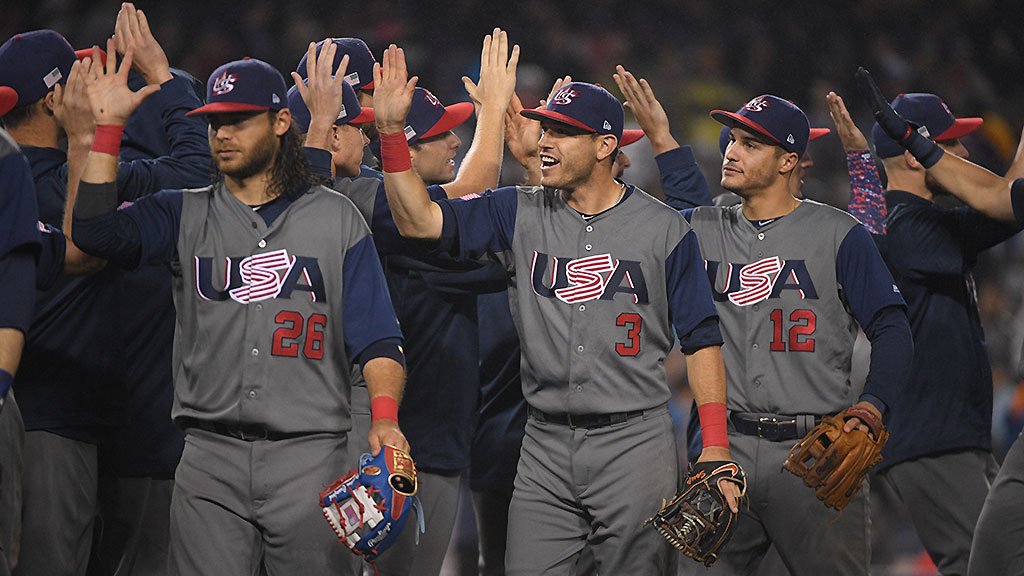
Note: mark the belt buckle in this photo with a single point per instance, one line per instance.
(568, 419)
(246, 436)
(776, 434)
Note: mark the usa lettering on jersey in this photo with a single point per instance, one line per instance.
(768, 278)
(577, 280)
(260, 277)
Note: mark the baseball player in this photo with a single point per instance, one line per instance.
(72, 370)
(435, 296)
(996, 544)
(501, 417)
(940, 468)
(788, 306)
(19, 244)
(595, 301)
(282, 270)
(358, 73)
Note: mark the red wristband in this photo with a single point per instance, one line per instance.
(713, 428)
(394, 153)
(107, 139)
(384, 407)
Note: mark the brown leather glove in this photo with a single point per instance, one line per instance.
(835, 462)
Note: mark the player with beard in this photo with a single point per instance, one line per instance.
(277, 292)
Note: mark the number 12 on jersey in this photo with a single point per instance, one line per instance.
(802, 323)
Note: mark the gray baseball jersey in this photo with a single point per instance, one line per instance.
(595, 300)
(270, 317)
(788, 293)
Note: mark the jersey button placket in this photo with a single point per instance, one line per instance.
(262, 243)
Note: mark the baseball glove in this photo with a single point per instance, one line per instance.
(368, 507)
(835, 462)
(698, 521)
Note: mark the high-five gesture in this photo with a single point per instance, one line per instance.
(852, 138)
(926, 151)
(322, 91)
(392, 91)
(497, 72)
(71, 106)
(131, 30)
(649, 112)
(111, 100)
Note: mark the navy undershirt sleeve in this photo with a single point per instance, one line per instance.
(17, 299)
(19, 212)
(866, 282)
(366, 303)
(682, 181)
(691, 309)
(319, 160)
(892, 352)
(144, 233)
(479, 223)
(188, 165)
(50, 265)
(1017, 199)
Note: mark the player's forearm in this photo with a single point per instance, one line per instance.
(1017, 167)
(481, 167)
(385, 377)
(11, 343)
(867, 199)
(980, 189)
(705, 372)
(415, 214)
(892, 354)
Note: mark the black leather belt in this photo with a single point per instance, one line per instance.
(587, 421)
(245, 432)
(774, 427)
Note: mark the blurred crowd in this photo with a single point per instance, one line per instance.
(697, 56)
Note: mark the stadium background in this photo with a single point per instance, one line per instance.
(697, 55)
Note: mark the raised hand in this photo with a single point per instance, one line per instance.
(392, 91)
(649, 112)
(131, 30)
(71, 104)
(110, 99)
(559, 82)
(521, 133)
(322, 91)
(926, 151)
(497, 72)
(852, 138)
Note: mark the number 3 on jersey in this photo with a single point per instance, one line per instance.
(634, 323)
(801, 329)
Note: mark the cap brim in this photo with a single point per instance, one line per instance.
(225, 108)
(818, 133)
(368, 87)
(961, 127)
(732, 119)
(453, 116)
(364, 117)
(543, 114)
(630, 137)
(8, 99)
(87, 53)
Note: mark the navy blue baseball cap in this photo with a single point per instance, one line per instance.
(779, 120)
(932, 118)
(428, 118)
(588, 107)
(31, 64)
(246, 85)
(723, 136)
(360, 61)
(351, 111)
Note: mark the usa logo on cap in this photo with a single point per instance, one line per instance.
(246, 85)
